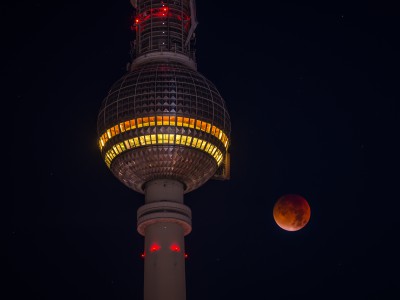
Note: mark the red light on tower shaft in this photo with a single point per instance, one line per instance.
(175, 248)
(154, 247)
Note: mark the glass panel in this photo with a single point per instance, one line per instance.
(208, 128)
(165, 120)
(122, 126)
(179, 121)
(172, 120)
(198, 124)
(133, 124)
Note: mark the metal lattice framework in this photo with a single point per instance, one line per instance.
(163, 120)
(163, 26)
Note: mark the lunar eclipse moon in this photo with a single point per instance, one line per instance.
(291, 212)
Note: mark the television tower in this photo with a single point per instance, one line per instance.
(164, 130)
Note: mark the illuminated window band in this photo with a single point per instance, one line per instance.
(162, 139)
(160, 121)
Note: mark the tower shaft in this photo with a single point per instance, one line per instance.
(164, 269)
(164, 221)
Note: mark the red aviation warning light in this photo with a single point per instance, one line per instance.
(175, 248)
(154, 247)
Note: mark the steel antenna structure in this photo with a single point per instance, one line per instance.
(163, 131)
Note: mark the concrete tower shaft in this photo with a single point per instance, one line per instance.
(164, 221)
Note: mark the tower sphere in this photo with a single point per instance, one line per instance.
(163, 120)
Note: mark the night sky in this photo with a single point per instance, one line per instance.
(313, 95)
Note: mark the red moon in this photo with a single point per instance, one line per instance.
(291, 212)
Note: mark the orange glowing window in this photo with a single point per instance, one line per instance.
(165, 120)
(122, 126)
(179, 121)
(159, 120)
(133, 124)
(152, 121)
(208, 128)
(116, 129)
(198, 124)
(139, 122)
(216, 132)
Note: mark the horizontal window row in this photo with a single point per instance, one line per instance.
(163, 139)
(163, 121)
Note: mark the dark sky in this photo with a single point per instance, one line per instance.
(313, 94)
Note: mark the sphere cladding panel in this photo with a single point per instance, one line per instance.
(164, 89)
(137, 167)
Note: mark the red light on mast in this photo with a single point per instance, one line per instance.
(175, 248)
(154, 247)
